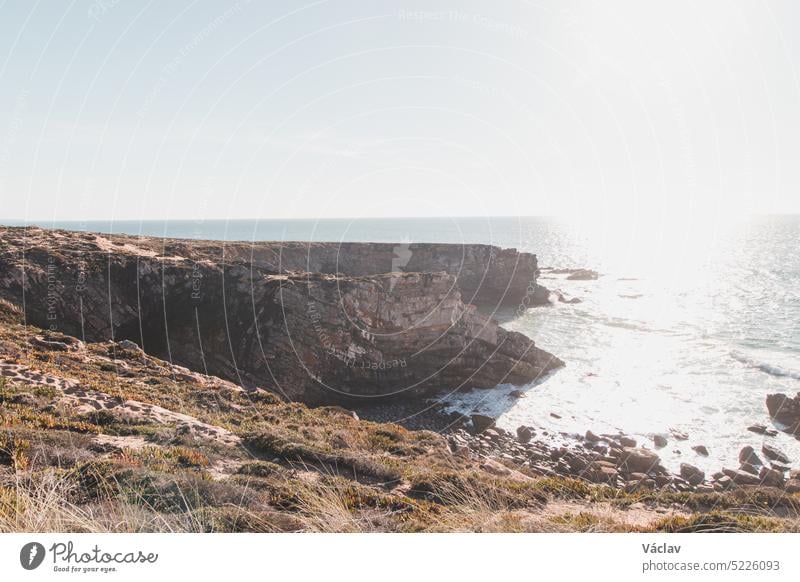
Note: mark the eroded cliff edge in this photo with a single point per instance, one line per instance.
(317, 322)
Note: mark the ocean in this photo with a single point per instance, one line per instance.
(691, 324)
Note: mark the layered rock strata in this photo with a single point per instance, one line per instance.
(250, 313)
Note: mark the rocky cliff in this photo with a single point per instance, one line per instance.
(317, 322)
(485, 275)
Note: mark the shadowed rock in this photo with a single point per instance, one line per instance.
(786, 411)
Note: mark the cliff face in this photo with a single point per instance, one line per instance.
(486, 275)
(233, 311)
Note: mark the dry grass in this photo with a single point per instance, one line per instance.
(301, 469)
(44, 505)
(50, 503)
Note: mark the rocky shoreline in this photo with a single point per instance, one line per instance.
(616, 460)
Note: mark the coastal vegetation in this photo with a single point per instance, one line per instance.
(240, 460)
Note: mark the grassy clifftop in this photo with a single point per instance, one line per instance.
(102, 437)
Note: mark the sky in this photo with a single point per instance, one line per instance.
(122, 109)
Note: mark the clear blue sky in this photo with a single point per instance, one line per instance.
(200, 109)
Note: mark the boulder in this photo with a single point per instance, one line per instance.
(785, 410)
(638, 460)
(540, 296)
(723, 483)
(659, 441)
(692, 474)
(583, 275)
(748, 455)
(747, 467)
(626, 441)
(50, 345)
(774, 454)
(792, 486)
(569, 300)
(577, 463)
(127, 344)
(700, 450)
(492, 433)
(761, 429)
(601, 475)
(591, 437)
(481, 422)
(495, 468)
(741, 477)
(524, 434)
(771, 477)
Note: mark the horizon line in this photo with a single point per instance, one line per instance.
(23, 222)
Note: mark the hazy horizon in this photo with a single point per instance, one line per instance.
(10, 221)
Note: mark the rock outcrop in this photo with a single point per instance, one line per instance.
(486, 275)
(260, 316)
(785, 410)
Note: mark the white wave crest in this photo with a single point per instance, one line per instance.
(766, 367)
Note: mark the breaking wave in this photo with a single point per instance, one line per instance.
(766, 367)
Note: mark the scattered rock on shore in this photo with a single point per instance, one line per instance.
(771, 477)
(741, 477)
(692, 474)
(583, 275)
(638, 460)
(700, 450)
(627, 468)
(524, 434)
(774, 454)
(749, 468)
(785, 410)
(481, 422)
(569, 300)
(761, 429)
(748, 455)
